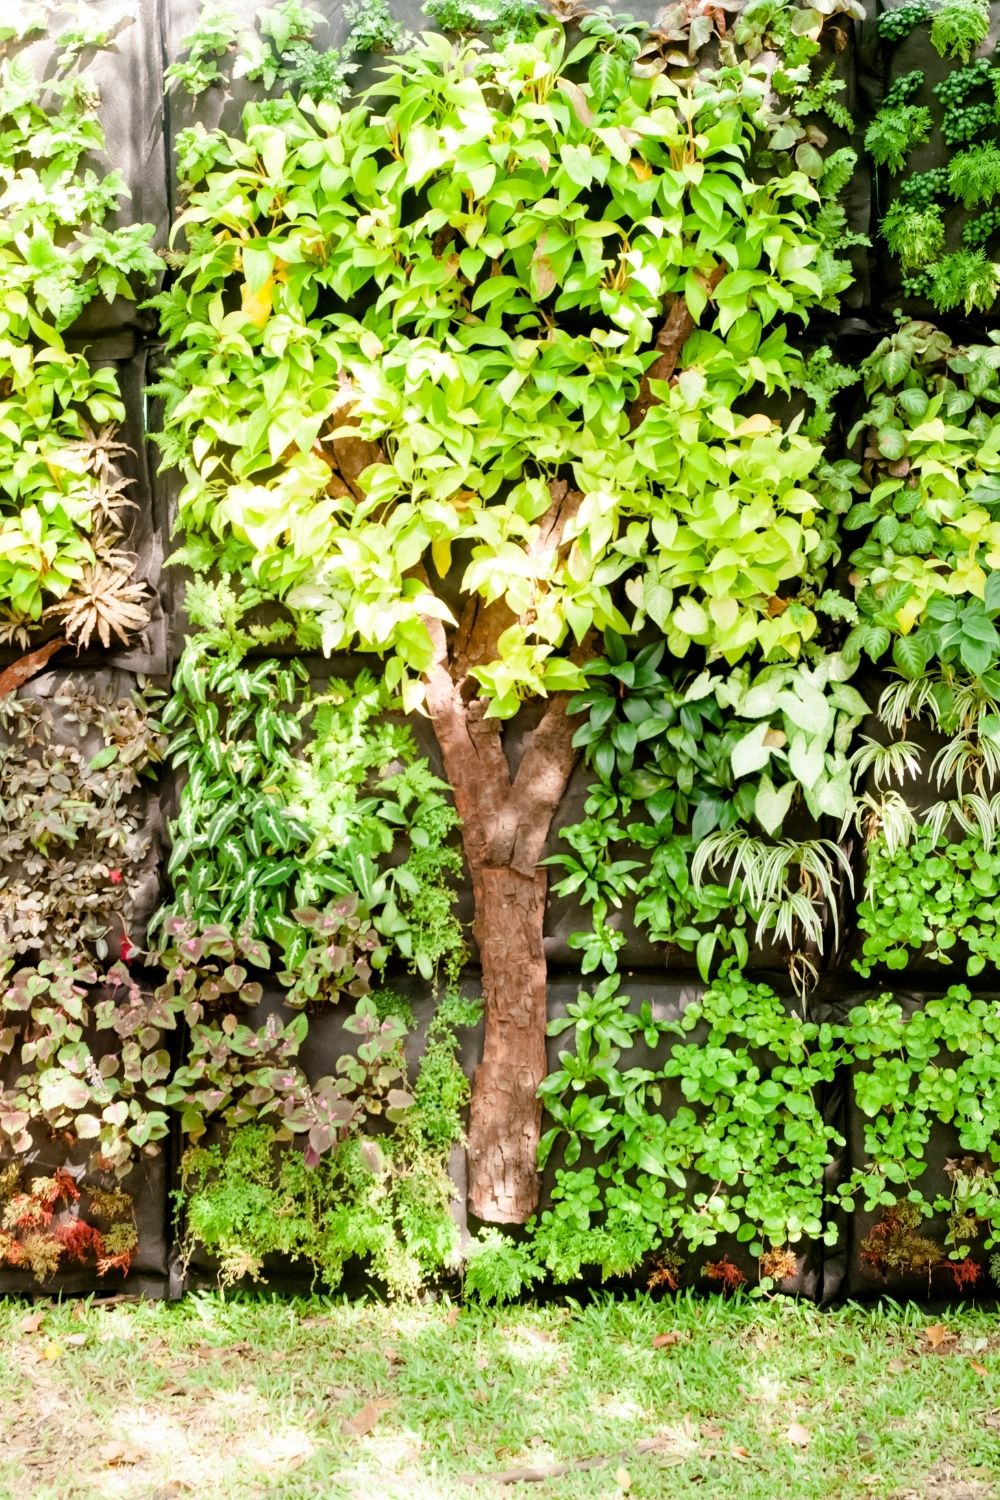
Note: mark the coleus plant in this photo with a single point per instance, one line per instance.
(240, 1066)
(47, 1224)
(75, 840)
(464, 302)
(232, 1071)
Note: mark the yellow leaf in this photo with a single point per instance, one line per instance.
(257, 305)
(972, 522)
(753, 426)
(441, 553)
(969, 577)
(907, 616)
(641, 168)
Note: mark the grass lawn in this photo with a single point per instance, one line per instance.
(237, 1399)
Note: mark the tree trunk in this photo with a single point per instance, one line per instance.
(505, 824)
(505, 1119)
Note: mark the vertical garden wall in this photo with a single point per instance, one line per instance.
(499, 699)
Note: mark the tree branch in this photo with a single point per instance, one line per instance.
(522, 826)
(677, 328)
(29, 666)
(353, 454)
(474, 760)
(506, 821)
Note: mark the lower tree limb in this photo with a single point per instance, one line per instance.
(20, 672)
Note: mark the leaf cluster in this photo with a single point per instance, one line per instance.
(61, 499)
(553, 316)
(43, 1228)
(295, 799)
(693, 770)
(724, 1137)
(75, 837)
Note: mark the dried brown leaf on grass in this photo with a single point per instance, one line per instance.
(364, 1420)
(938, 1339)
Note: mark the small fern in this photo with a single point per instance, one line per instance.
(821, 379)
(974, 175)
(893, 133)
(966, 279)
(915, 236)
(958, 27)
(821, 98)
(497, 1270)
(838, 169)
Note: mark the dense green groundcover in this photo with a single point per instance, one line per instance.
(521, 372)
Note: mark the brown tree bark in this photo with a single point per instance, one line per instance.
(22, 671)
(505, 822)
(678, 326)
(506, 1114)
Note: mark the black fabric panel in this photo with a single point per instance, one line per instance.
(149, 1185)
(147, 536)
(144, 892)
(327, 1040)
(843, 47)
(849, 1273)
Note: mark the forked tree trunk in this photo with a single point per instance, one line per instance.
(505, 823)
